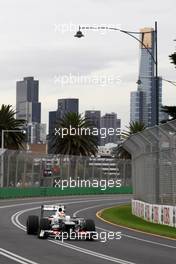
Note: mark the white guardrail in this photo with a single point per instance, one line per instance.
(159, 214)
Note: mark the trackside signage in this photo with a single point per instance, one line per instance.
(159, 214)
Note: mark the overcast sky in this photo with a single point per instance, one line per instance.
(36, 39)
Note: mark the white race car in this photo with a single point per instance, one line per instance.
(54, 223)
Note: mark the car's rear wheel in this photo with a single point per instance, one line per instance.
(32, 224)
(90, 227)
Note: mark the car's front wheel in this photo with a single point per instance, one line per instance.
(32, 224)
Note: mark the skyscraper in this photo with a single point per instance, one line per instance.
(95, 117)
(143, 101)
(36, 133)
(27, 105)
(110, 120)
(136, 106)
(28, 108)
(52, 121)
(65, 105)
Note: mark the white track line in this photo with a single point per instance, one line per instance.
(94, 206)
(125, 235)
(15, 221)
(92, 253)
(15, 257)
(15, 217)
(83, 200)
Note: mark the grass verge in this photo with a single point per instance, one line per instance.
(121, 215)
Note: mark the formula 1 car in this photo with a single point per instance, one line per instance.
(54, 223)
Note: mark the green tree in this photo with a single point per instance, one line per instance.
(12, 140)
(173, 58)
(133, 128)
(82, 143)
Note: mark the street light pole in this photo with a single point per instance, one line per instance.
(157, 96)
(154, 56)
(149, 77)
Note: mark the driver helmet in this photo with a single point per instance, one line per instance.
(61, 212)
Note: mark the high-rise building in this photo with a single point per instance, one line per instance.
(36, 133)
(65, 105)
(143, 101)
(52, 121)
(27, 105)
(110, 120)
(95, 117)
(136, 106)
(28, 108)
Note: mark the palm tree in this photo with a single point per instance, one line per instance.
(79, 143)
(133, 128)
(74, 144)
(173, 58)
(13, 140)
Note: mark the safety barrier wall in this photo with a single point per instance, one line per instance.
(6, 193)
(158, 214)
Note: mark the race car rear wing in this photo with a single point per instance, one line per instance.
(52, 207)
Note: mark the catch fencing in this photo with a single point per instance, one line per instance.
(154, 164)
(25, 169)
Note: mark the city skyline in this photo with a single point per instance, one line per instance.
(101, 123)
(87, 131)
(40, 49)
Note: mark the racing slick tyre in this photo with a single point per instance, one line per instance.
(89, 226)
(44, 225)
(32, 224)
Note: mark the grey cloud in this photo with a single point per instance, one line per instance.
(29, 45)
(48, 62)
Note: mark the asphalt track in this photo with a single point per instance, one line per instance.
(132, 248)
